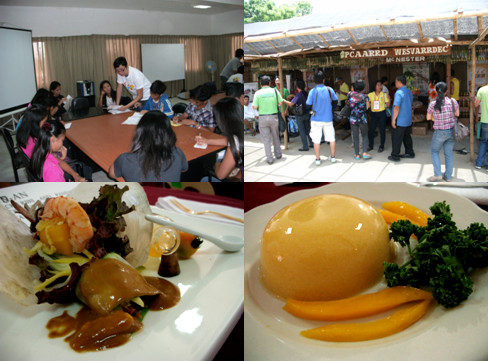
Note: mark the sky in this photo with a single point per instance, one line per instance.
(321, 5)
(324, 5)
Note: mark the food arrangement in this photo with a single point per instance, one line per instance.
(439, 243)
(295, 254)
(89, 253)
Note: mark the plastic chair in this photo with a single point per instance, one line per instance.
(14, 156)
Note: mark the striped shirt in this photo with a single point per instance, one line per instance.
(443, 119)
(204, 117)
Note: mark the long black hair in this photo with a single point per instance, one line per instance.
(441, 89)
(229, 116)
(29, 127)
(155, 140)
(113, 93)
(49, 129)
(201, 93)
(53, 86)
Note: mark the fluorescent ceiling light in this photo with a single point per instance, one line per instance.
(201, 6)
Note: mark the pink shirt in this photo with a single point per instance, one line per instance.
(52, 172)
(29, 147)
(445, 119)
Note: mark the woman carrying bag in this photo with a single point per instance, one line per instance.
(300, 108)
(442, 111)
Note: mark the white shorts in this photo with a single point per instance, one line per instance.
(317, 128)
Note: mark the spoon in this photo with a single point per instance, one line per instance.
(228, 242)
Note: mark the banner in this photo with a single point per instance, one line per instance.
(398, 55)
(481, 75)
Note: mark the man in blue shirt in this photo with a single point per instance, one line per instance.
(401, 121)
(320, 99)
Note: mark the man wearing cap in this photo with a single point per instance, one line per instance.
(343, 91)
(266, 102)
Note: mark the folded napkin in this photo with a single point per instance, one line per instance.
(165, 203)
(478, 194)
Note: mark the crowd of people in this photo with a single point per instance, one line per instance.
(153, 155)
(365, 112)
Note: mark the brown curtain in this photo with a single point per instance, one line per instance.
(73, 58)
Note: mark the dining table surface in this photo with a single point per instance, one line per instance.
(103, 138)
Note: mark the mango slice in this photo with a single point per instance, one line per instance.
(413, 213)
(357, 306)
(351, 332)
(391, 217)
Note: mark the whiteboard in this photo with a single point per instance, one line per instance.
(165, 62)
(17, 70)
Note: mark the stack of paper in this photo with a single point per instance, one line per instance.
(115, 109)
(200, 146)
(133, 119)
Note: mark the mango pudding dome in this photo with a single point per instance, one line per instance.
(323, 248)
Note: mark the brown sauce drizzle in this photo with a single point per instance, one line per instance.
(89, 331)
(169, 296)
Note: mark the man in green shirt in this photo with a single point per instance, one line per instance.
(282, 113)
(482, 99)
(266, 102)
(286, 93)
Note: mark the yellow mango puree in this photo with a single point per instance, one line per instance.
(325, 247)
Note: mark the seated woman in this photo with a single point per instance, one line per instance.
(44, 164)
(28, 130)
(229, 115)
(108, 95)
(58, 106)
(159, 100)
(42, 99)
(199, 112)
(154, 156)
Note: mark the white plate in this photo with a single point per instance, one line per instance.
(273, 334)
(212, 296)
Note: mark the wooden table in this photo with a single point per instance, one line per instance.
(104, 138)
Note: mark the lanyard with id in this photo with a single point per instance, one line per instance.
(376, 104)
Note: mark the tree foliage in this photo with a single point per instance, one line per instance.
(266, 10)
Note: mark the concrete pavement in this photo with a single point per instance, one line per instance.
(298, 166)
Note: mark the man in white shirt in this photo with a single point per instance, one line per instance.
(237, 77)
(134, 81)
(231, 67)
(250, 115)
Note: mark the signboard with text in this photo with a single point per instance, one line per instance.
(398, 55)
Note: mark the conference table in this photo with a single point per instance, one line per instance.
(103, 138)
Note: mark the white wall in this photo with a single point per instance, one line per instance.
(54, 21)
(228, 23)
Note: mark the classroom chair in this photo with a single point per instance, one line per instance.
(25, 161)
(14, 156)
(179, 108)
(125, 100)
(79, 103)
